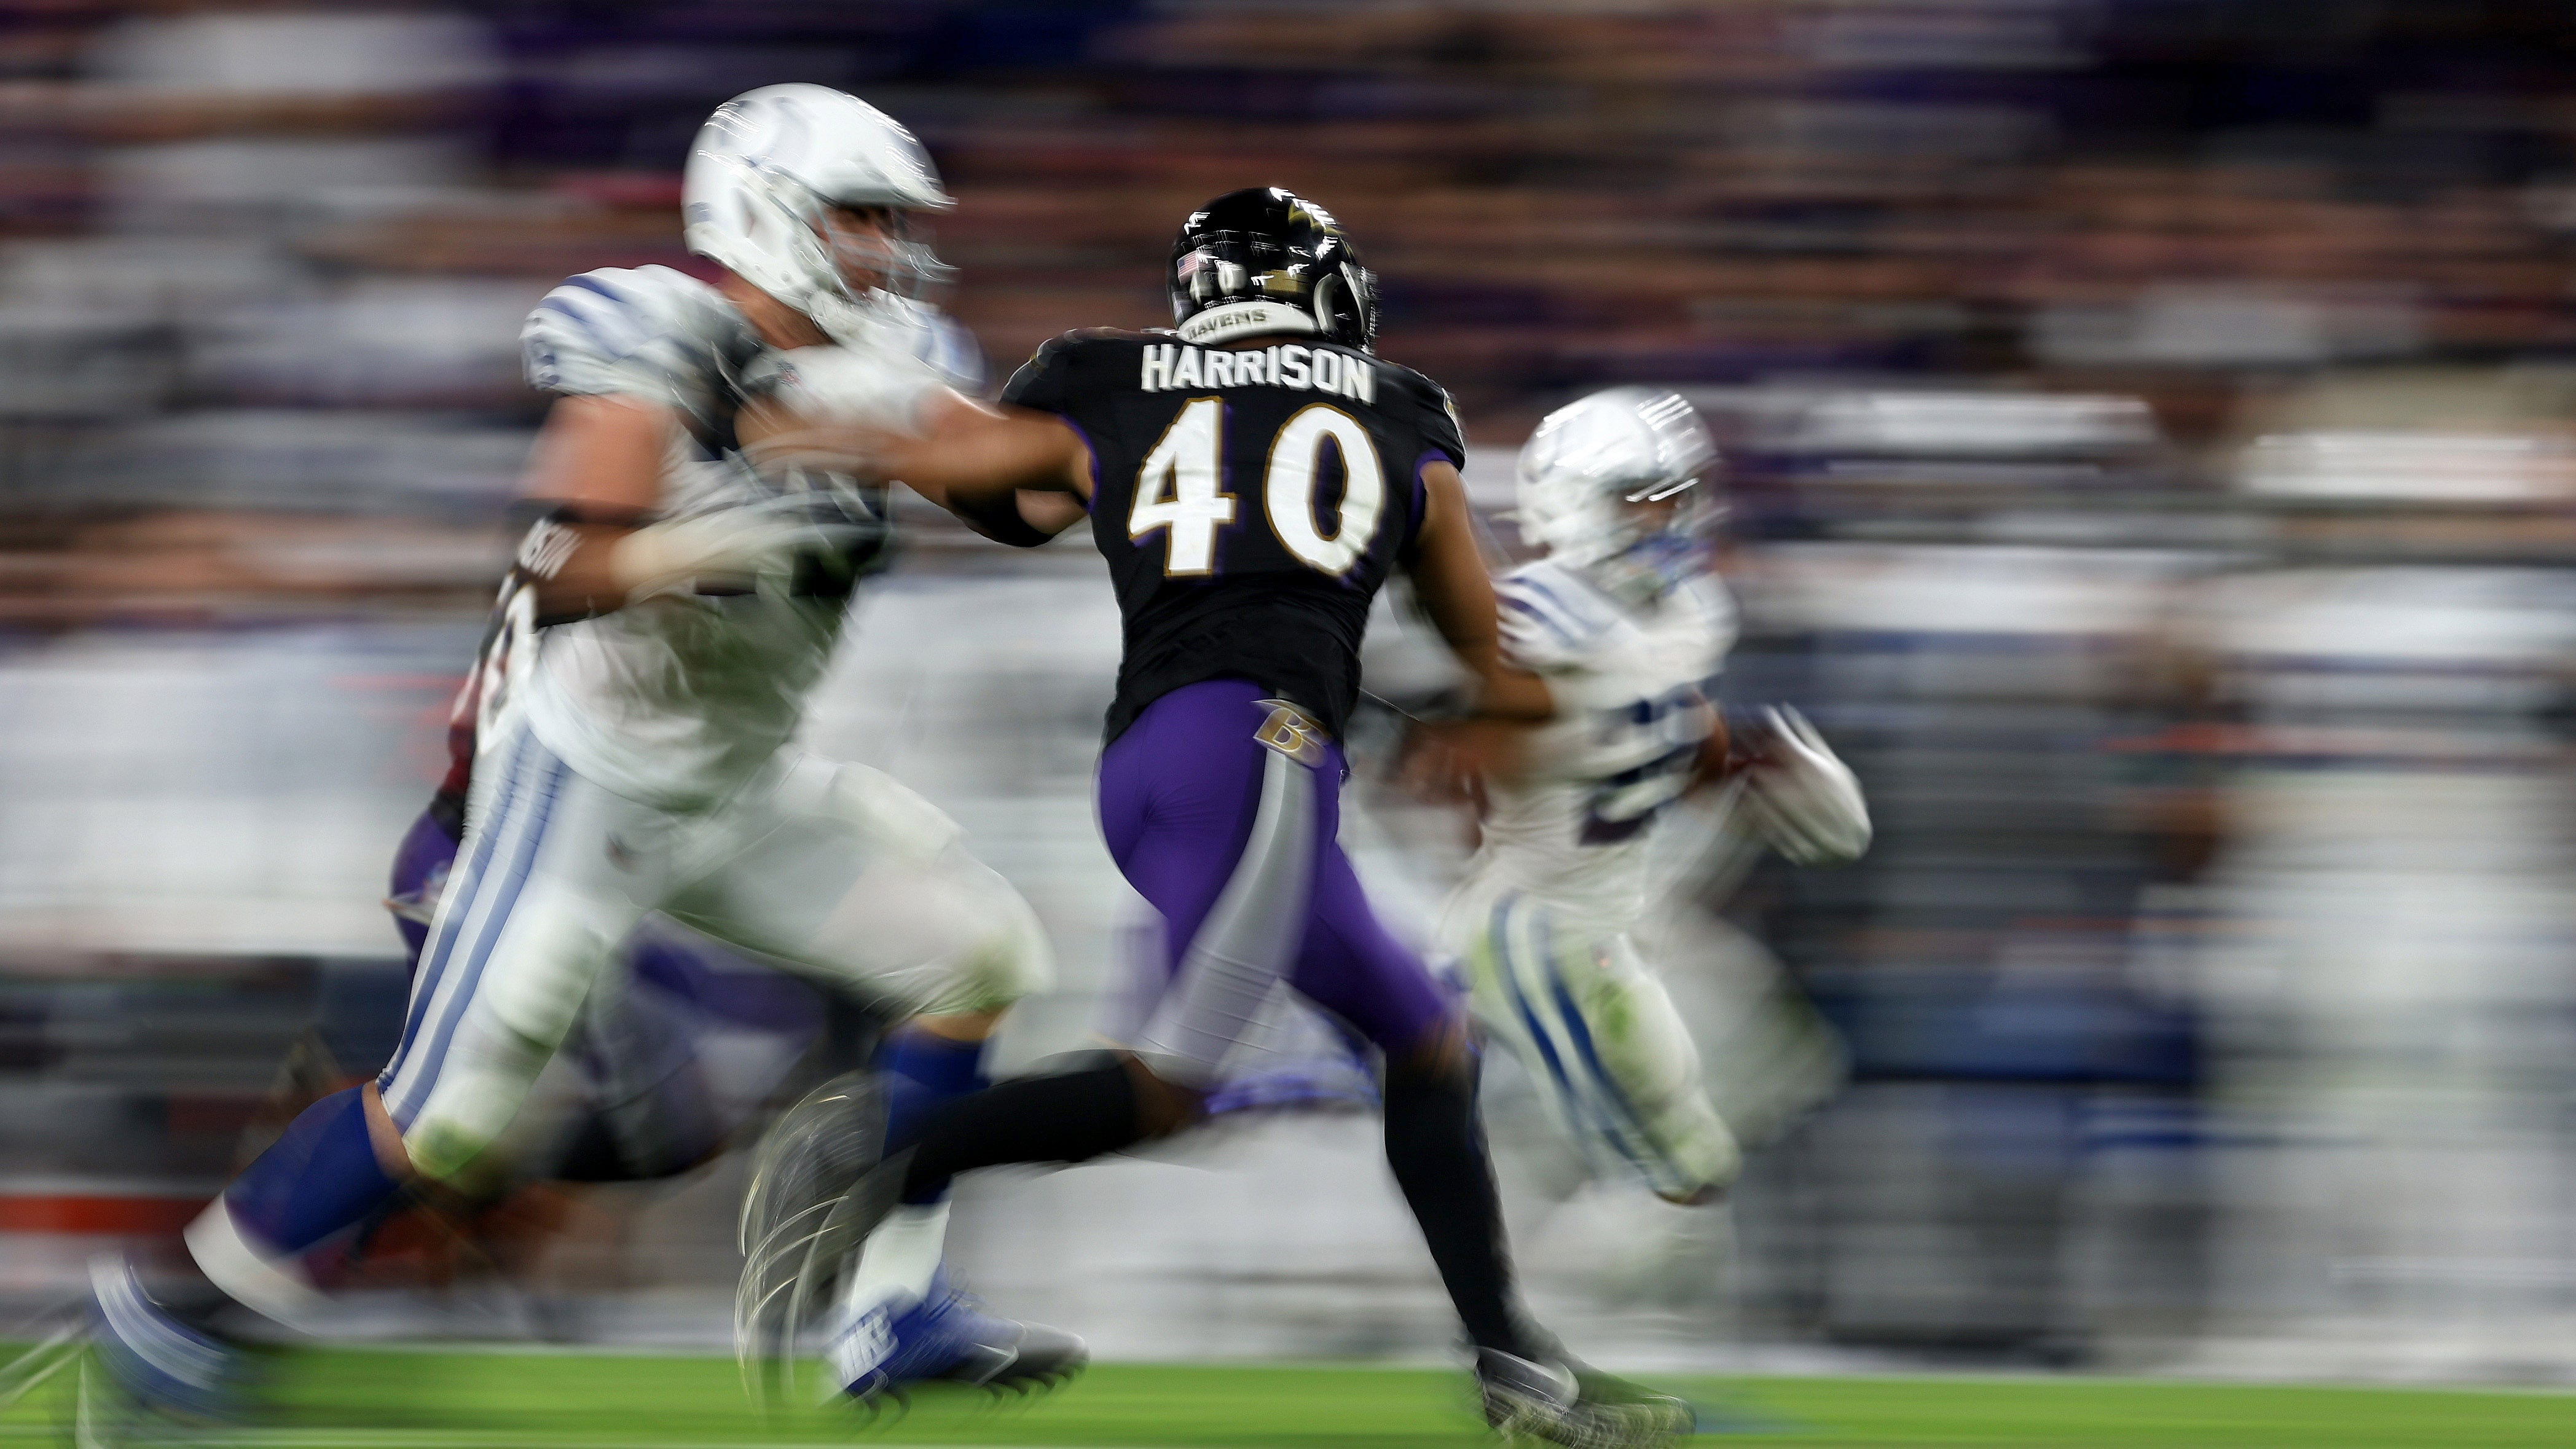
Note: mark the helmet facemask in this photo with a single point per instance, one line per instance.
(893, 257)
(860, 269)
(1661, 540)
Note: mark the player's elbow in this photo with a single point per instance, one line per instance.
(1002, 517)
(1514, 695)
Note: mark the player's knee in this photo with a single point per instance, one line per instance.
(1443, 1054)
(1163, 1106)
(1441, 1061)
(1023, 960)
(1700, 1155)
(1649, 1074)
(443, 1147)
(468, 1111)
(1011, 957)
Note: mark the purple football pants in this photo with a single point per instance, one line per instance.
(1233, 841)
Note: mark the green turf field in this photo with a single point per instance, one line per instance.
(390, 1400)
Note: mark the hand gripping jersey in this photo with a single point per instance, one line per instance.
(676, 698)
(1630, 719)
(1250, 502)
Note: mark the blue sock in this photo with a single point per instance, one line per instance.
(319, 1177)
(922, 1072)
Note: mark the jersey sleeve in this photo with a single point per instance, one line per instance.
(1548, 627)
(952, 352)
(631, 333)
(1045, 381)
(1441, 431)
(1434, 418)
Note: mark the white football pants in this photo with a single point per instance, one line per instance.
(833, 869)
(1578, 1006)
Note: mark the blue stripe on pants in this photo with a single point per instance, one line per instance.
(1593, 1121)
(1647, 1155)
(1510, 974)
(414, 1094)
(457, 904)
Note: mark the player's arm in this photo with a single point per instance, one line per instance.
(1015, 475)
(1450, 582)
(594, 476)
(1800, 796)
(1451, 759)
(1717, 761)
(596, 541)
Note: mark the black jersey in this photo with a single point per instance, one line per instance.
(1250, 502)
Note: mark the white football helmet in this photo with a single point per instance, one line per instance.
(766, 168)
(1596, 455)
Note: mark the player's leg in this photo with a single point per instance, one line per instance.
(863, 885)
(525, 923)
(1604, 1044)
(1199, 829)
(645, 1111)
(1216, 831)
(1435, 1144)
(1351, 967)
(533, 909)
(1221, 808)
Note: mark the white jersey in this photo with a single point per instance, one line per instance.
(1572, 826)
(677, 698)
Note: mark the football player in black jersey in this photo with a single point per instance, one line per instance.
(1253, 477)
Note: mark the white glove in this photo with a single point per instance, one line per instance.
(731, 547)
(725, 548)
(1801, 797)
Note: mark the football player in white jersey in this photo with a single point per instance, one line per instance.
(1626, 621)
(669, 610)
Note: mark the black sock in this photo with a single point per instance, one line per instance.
(1068, 1117)
(1438, 1152)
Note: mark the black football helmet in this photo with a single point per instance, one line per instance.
(1265, 260)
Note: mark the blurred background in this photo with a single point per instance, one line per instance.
(2153, 442)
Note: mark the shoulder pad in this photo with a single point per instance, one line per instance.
(1094, 337)
(1406, 377)
(1715, 603)
(648, 331)
(1551, 619)
(1439, 417)
(1431, 394)
(1045, 381)
(933, 339)
(953, 353)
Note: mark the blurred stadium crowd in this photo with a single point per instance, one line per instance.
(2152, 463)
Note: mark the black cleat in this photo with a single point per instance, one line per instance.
(1651, 1417)
(1527, 1399)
